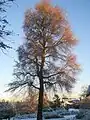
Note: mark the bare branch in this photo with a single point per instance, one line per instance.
(46, 77)
(35, 87)
(51, 83)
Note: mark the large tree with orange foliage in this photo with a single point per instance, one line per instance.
(46, 60)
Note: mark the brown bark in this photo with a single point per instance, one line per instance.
(40, 101)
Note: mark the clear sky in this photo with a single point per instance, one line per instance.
(78, 12)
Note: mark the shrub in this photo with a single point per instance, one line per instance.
(53, 116)
(6, 110)
(80, 115)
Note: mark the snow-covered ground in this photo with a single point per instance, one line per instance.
(68, 118)
(67, 115)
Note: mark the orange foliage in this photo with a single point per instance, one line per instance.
(58, 17)
(47, 8)
(68, 36)
(43, 6)
(72, 61)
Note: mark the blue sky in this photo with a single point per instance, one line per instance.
(79, 19)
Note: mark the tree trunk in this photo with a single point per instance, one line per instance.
(40, 101)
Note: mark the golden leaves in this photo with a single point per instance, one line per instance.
(43, 6)
(47, 8)
(72, 61)
(68, 36)
(58, 20)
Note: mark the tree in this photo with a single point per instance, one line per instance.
(85, 93)
(45, 59)
(6, 110)
(31, 101)
(45, 101)
(88, 91)
(26, 106)
(84, 90)
(4, 32)
(57, 102)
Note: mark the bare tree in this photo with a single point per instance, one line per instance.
(4, 32)
(45, 60)
(84, 91)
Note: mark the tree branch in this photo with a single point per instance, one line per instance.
(48, 82)
(35, 87)
(22, 73)
(46, 77)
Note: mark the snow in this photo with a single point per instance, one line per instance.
(74, 110)
(47, 119)
(68, 115)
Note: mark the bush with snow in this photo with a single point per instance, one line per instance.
(53, 116)
(6, 110)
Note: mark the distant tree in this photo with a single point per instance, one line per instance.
(85, 93)
(28, 105)
(88, 91)
(17, 107)
(57, 102)
(22, 107)
(84, 90)
(45, 60)
(31, 100)
(45, 100)
(6, 110)
(4, 32)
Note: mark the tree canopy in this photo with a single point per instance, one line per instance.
(46, 59)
